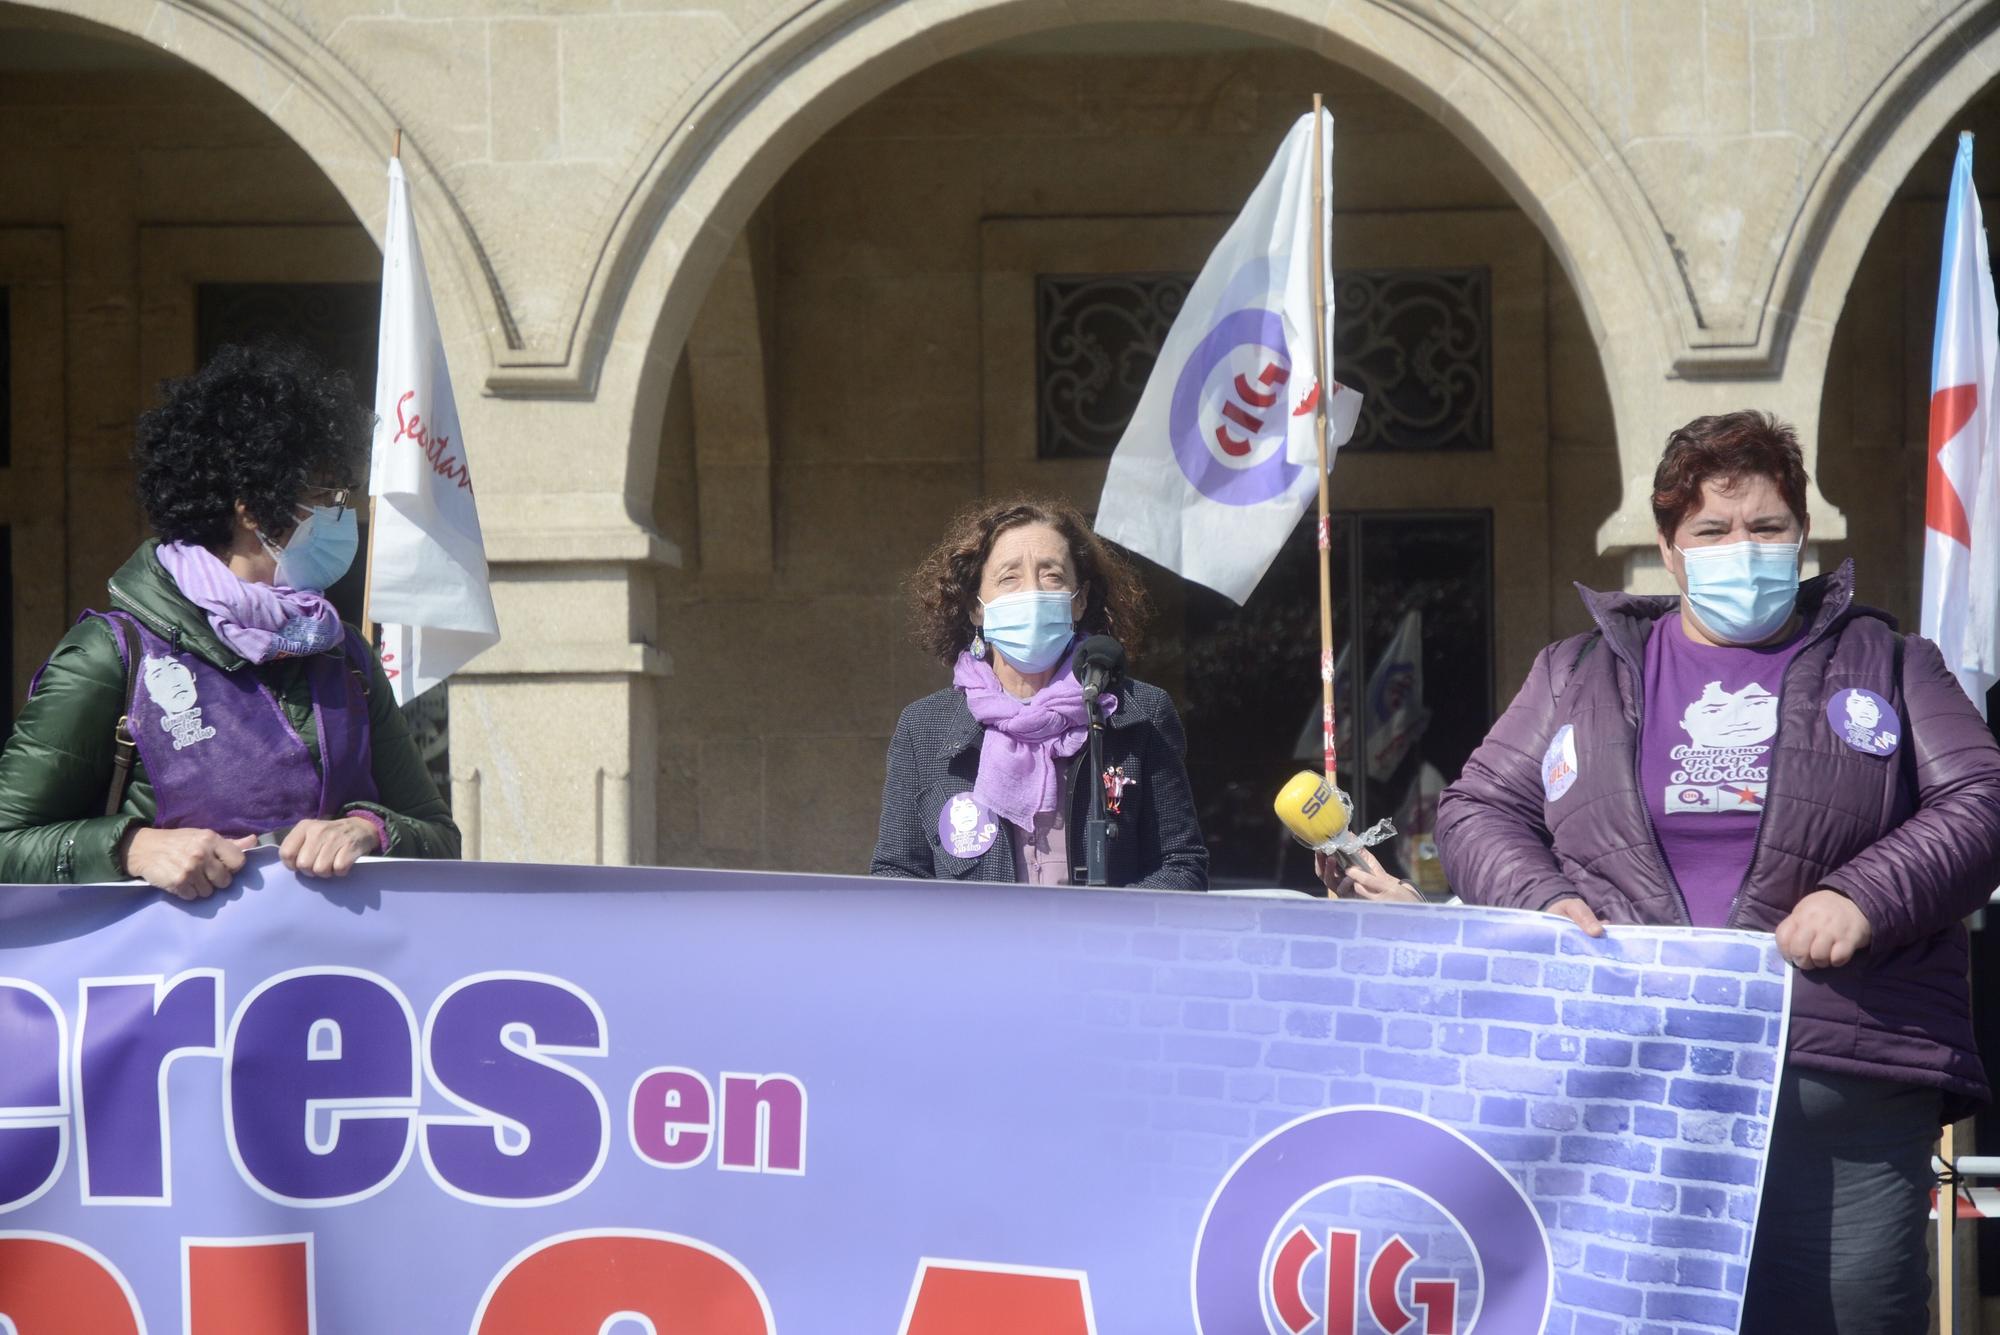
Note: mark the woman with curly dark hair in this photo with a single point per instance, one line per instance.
(987, 778)
(221, 700)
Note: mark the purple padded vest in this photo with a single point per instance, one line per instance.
(219, 751)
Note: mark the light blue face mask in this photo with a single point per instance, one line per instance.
(1743, 592)
(320, 549)
(1030, 630)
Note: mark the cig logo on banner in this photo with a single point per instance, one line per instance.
(1371, 1221)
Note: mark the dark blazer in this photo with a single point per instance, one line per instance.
(935, 754)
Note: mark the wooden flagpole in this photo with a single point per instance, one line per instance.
(1947, 1209)
(1323, 382)
(368, 569)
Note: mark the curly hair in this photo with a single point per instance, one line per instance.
(1726, 449)
(942, 589)
(256, 424)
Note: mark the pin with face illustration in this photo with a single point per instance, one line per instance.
(1865, 721)
(966, 829)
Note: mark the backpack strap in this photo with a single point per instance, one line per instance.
(360, 658)
(125, 748)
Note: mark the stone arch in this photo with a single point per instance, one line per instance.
(333, 116)
(738, 136)
(1859, 175)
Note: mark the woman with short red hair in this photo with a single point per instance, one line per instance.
(1766, 754)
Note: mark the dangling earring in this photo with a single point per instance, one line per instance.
(978, 647)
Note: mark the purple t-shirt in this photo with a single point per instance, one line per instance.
(1705, 756)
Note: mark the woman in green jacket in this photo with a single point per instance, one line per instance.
(221, 699)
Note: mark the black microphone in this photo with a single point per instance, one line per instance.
(1099, 663)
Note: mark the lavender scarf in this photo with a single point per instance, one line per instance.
(258, 621)
(1023, 738)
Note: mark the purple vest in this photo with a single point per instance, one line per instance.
(222, 756)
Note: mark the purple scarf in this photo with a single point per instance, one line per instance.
(1023, 738)
(259, 621)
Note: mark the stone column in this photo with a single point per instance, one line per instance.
(554, 735)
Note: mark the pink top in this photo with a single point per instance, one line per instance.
(1041, 855)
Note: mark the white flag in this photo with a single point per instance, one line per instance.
(428, 576)
(1962, 490)
(1395, 704)
(1219, 459)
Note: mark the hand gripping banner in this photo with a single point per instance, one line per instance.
(519, 1100)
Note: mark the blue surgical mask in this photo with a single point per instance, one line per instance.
(1030, 630)
(320, 549)
(1743, 592)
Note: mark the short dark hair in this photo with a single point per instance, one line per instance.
(255, 424)
(943, 587)
(1727, 448)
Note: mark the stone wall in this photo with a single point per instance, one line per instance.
(120, 189)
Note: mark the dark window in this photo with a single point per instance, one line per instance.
(6, 378)
(1406, 721)
(339, 321)
(1096, 339)
(336, 320)
(6, 631)
(1415, 342)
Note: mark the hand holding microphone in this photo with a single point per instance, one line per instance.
(1317, 815)
(1363, 877)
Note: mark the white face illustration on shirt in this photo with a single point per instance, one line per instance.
(170, 684)
(964, 816)
(1861, 711)
(1723, 719)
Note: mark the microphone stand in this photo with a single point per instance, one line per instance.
(1098, 830)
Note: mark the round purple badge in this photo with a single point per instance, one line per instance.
(1865, 721)
(966, 829)
(1228, 430)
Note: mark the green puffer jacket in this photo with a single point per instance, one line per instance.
(56, 769)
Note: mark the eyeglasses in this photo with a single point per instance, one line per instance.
(337, 497)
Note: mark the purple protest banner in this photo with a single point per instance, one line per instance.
(576, 1101)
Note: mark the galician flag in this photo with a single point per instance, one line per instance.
(1219, 460)
(1962, 490)
(428, 562)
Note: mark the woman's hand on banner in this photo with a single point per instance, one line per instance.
(1825, 929)
(327, 847)
(192, 864)
(1578, 912)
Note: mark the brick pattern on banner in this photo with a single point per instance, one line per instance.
(1625, 1083)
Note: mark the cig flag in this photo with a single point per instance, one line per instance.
(1962, 489)
(1396, 713)
(1218, 461)
(428, 586)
